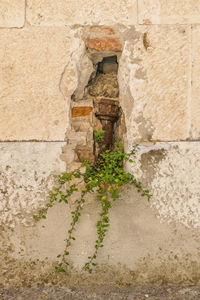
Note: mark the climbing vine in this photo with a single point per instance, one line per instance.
(105, 178)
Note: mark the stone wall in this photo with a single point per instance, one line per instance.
(48, 53)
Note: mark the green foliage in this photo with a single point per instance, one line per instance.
(99, 135)
(105, 178)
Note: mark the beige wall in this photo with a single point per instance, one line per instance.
(42, 62)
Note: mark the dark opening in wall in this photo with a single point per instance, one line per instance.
(96, 105)
(108, 64)
(105, 82)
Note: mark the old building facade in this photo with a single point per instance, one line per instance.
(58, 59)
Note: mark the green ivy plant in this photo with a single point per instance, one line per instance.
(105, 178)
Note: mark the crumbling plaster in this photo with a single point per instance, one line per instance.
(172, 170)
(26, 179)
(146, 239)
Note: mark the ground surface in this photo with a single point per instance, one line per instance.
(101, 292)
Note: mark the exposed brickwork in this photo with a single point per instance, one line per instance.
(81, 111)
(105, 44)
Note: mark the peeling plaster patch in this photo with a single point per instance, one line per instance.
(27, 174)
(176, 183)
(149, 161)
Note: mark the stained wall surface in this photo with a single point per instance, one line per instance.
(45, 56)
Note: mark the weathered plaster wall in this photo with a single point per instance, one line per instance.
(28, 172)
(172, 169)
(43, 60)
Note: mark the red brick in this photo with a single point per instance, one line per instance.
(105, 44)
(81, 111)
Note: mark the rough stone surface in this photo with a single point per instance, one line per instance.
(105, 44)
(90, 12)
(153, 78)
(12, 13)
(82, 124)
(105, 85)
(34, 102)
(195, 104)
(85, 70)
(169, 12)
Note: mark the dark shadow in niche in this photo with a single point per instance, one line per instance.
(104, 89)
(105, 82)
(108, 64)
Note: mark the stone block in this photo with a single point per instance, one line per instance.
(82, 124)
(32, 105)
(77, 137)
(85, 68)
(86, 153)
(104, 44)
(91, 12)
(68, 154)
(154, 87)
(169, 12)
(12, 13)
(195, 103)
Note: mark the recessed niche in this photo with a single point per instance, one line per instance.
(105, 82)
(101, 89)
